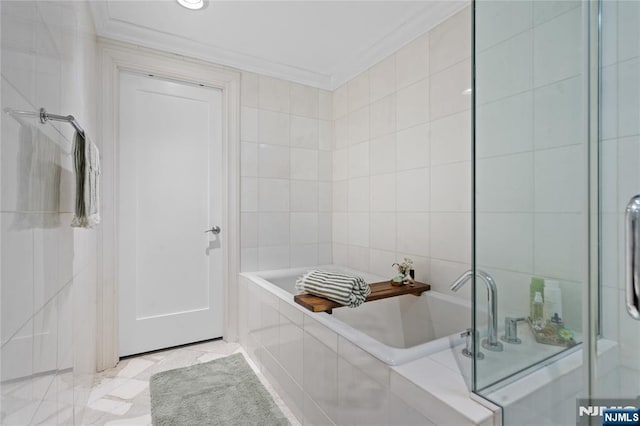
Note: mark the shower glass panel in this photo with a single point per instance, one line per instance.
(618, 376)
(531, 184)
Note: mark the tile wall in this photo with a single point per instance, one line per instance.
(286, 163)
(48, 269)
(402, 159)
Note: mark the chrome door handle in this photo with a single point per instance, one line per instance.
(214, 230)
(632, 257)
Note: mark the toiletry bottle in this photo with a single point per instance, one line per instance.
(552, 300)
(537, 319)
(536, 286)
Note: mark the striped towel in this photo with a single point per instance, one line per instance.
(347, 290)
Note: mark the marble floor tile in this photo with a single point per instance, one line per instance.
(120, 396)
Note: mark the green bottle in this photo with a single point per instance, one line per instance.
(536, 286)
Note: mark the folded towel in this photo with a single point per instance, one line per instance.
(86, 162)
(347, 290)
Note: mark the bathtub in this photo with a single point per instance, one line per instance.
(340, 368)
(394, 330)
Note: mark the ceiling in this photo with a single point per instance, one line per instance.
(320, 43)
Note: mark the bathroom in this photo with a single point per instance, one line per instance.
(242, 144)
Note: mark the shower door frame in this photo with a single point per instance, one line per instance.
(115, 57)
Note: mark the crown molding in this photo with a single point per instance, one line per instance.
(431, 15)
(405, 33)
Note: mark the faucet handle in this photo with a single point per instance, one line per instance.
(468, 348)
(511, 330)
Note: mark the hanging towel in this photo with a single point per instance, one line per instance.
(347, 290)
(86, 163)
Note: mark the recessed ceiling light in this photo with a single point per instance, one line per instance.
(192, 4)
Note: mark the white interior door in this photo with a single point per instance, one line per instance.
(170, 186)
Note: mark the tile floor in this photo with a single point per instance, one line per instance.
(120, 395)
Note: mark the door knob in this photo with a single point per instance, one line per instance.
(214, 230)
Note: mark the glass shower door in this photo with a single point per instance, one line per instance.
(617, 377)
(531, 186)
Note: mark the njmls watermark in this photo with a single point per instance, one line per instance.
(608, 412)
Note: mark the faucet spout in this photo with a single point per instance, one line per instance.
(491, 342)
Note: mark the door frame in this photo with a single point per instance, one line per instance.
(113, 58)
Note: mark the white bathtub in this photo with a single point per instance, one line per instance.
(394, 330)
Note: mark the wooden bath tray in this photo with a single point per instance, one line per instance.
(382, 290)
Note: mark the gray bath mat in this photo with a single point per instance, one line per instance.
(224, 391)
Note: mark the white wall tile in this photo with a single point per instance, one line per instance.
(359, 160)
(304, 132)
(304, 228)
(358, 91)
(382, 152)
(325, 135)
(273, 229)
(495, 81)
(628, 99)
(505, 184)
(560, 180)
(304, 164)
(341, 164)
(412, 189)
(413, 233)
(249, 124)
(412, 62)
(340, 102)
(383, 231)
(412, 148)
(382, 78)
(273, 257)
(304, 100)
(341, 132)
(381, 261)
(325, 228)
(449, 90)
(513, 18)
(249, 230)
(504, 126)
(413, 105)
(383, 116)
(558, 114)
(304, 255)
(359, 125)
(383, 193)
(340, 196)
(248, 159)
(273, 195)
(558, 238)
(273, 94)
(359, 229)
(359, 194)
(249, 194)
(450, 139)
(340, 223)
(273, 161)
(249, 89)
(450, 41)
(273, 127)
(505, 240)
(304, 196)
(325, 166)
(449, 238)
(325, 105)
(557, 48)
(455, 195)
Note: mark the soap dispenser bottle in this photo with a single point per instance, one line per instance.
(537, 311)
